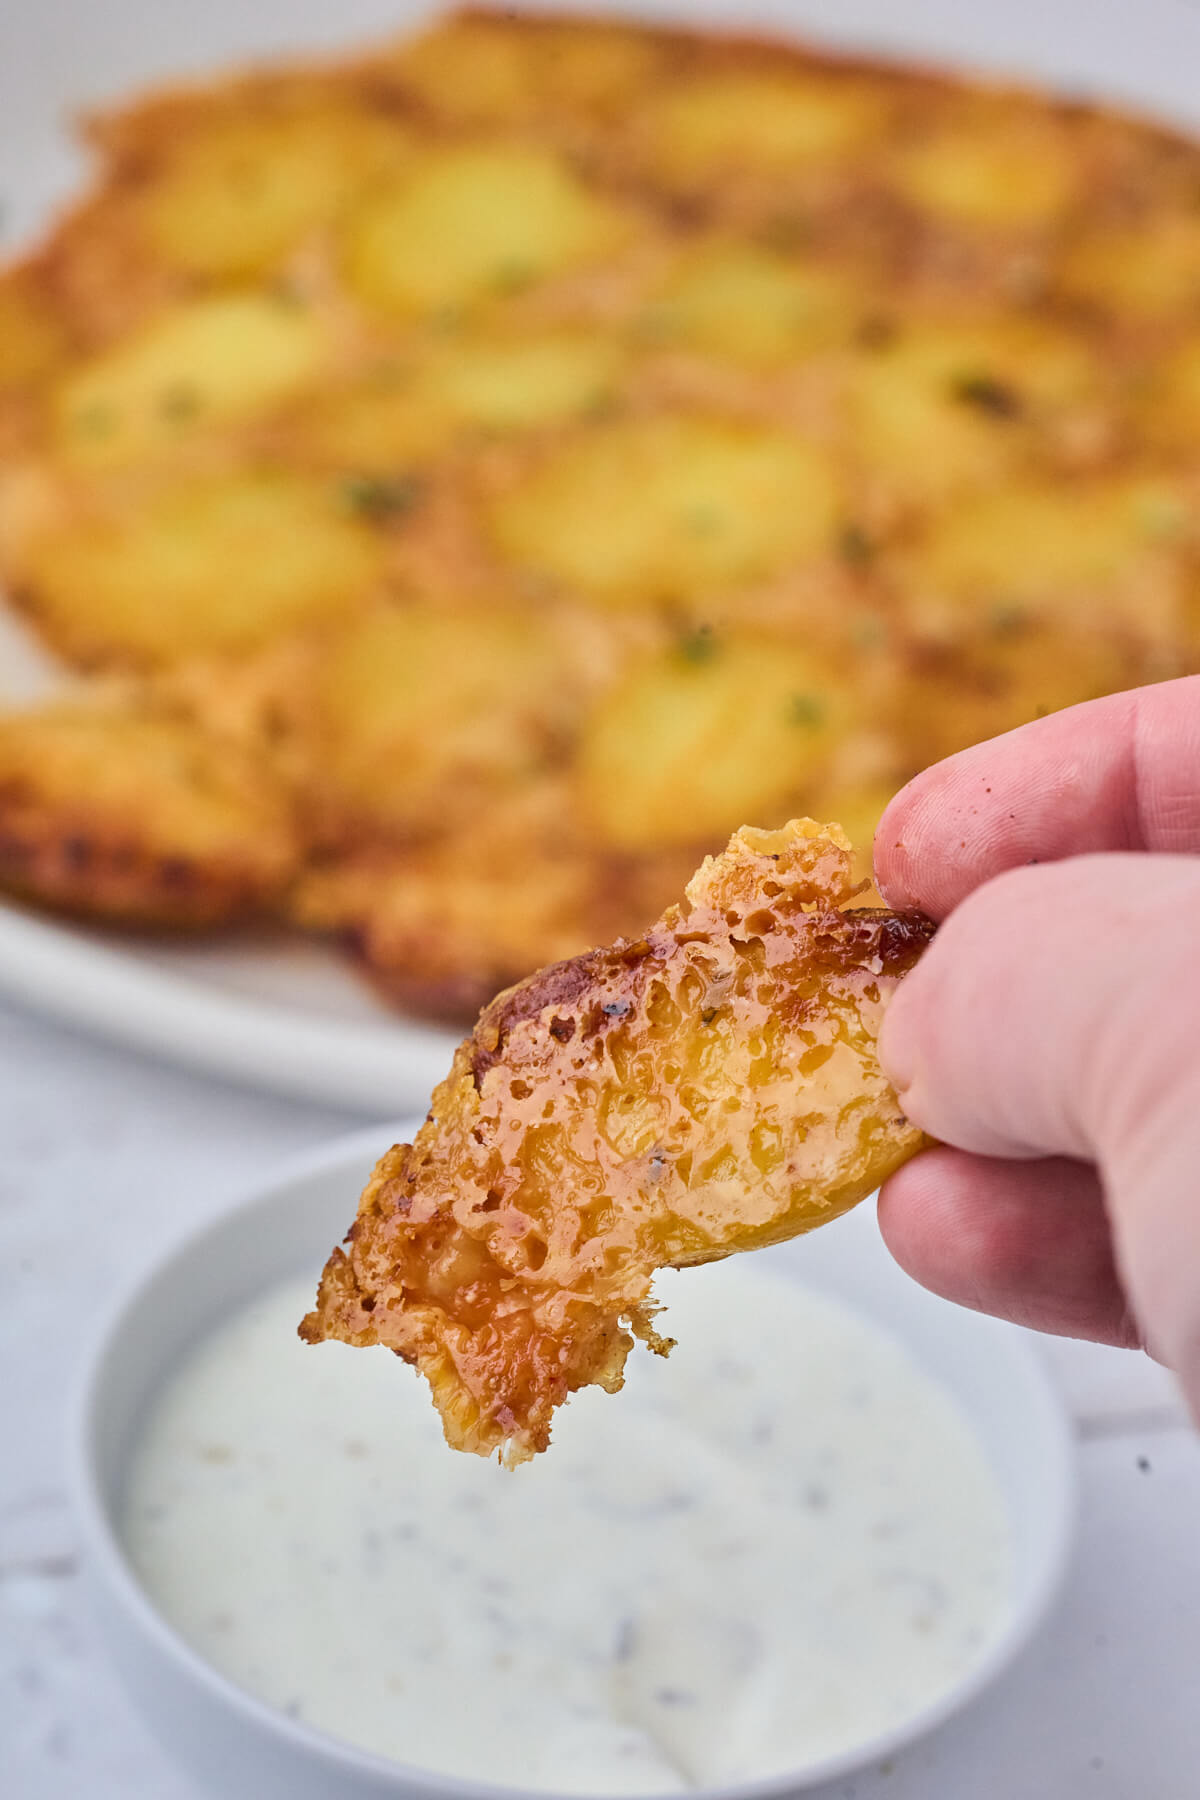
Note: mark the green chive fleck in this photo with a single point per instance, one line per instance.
(96, 421)
(381, 498)
(807, 710)
(854, 546)
(511, 277)
(702, 521)
(1006, 618)
(179, 402)
(698, 645)
(987, 395)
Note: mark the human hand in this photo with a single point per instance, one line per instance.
(1050, 1036)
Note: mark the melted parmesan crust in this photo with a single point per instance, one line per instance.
(583, 437)
(708, 1088)
(141, 818)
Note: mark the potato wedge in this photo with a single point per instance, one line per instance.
(709, 1088)
(189, 564)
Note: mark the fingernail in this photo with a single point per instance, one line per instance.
(912, 1104)
(897, 1057)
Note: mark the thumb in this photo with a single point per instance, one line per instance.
(1057, 1013)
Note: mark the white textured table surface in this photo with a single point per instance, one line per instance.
(103, 1158)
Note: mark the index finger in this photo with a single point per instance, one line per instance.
(1121, 773)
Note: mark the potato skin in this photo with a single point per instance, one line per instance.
(140, 820)
(710, 1087)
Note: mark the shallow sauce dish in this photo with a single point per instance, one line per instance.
(241, 1746)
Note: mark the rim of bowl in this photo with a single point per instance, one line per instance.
(106, 1555)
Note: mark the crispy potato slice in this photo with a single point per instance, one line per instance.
(993, 682)
(482, 69)
(408, 410)
(1169, 413)
(859, 806)
(1033, 598)
(208, 362)
(382, 423)
(505, 383)
(201, 563)
(424, 714)
(438, 932)
(120, 813)
(694, 738)
(954, 403)
(764, 120)
(1107, 555)
(33, 345)
(994, 165)
(651, 509)
(32, 339)
(1145, 272)
(475, 221)
(232, 194)
(712, 1087)
(752, 304)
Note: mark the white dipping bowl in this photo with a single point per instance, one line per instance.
(244, 1749)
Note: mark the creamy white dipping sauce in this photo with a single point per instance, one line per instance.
(768, 1548)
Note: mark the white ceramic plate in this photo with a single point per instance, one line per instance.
(248, 1751)
(296, 1019)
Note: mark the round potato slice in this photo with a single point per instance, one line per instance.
(509, 383)
(712, 732)
(210, 362)
(1108, 554)
(1034, 598)
(991, 685)
(749, 304)
(235, 192)
(951, 404)
(424, 714)
(653, 509)
(123, 815)
(473, 222)
(476, 71)
(440, 927)
(997, 166)
(407, 411)
(1169, 413)
(1148, 272)
(758, 120)
(204, 564)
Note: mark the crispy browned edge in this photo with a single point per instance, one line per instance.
(842, 933)
(100, 126)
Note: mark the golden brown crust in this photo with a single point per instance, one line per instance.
(140, 818)
(707, 1088)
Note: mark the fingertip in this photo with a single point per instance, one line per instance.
(896, 1045)
(890, 852)
(933, 842)
(1024, 1241)
(910, 1211)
